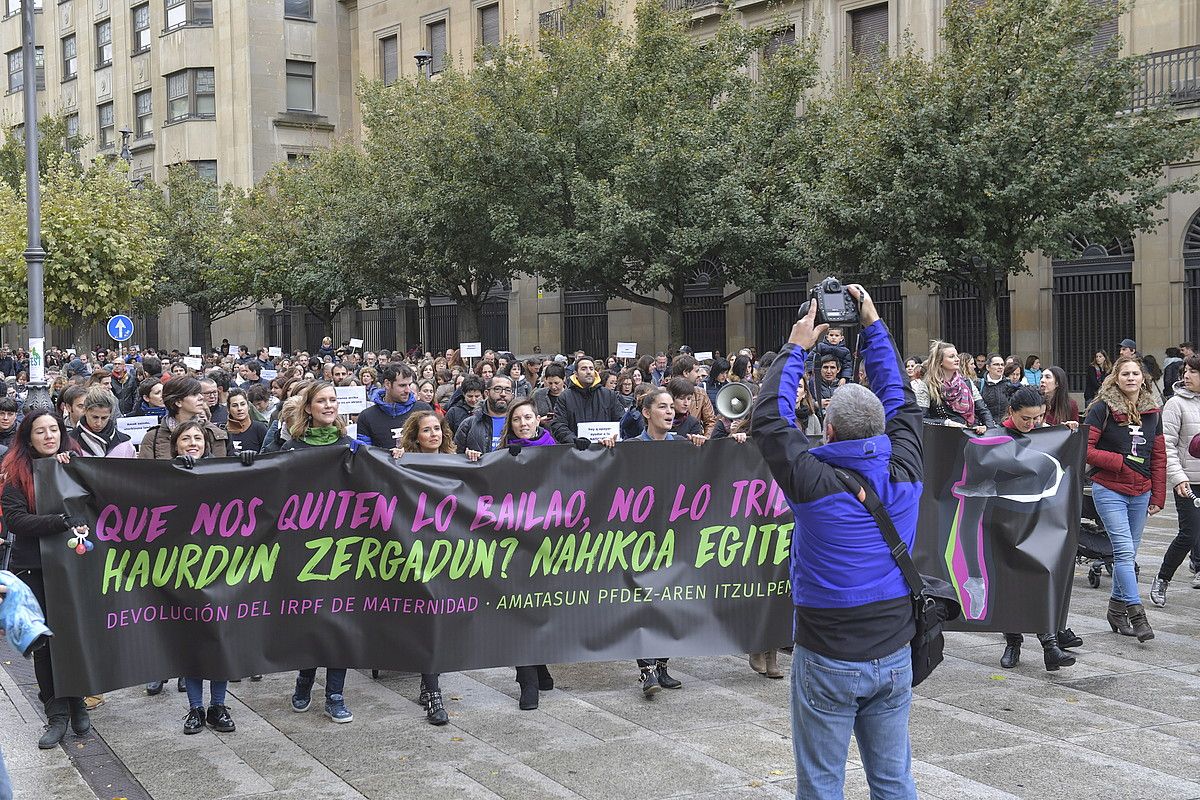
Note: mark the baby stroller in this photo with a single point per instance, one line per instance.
(1094, 548)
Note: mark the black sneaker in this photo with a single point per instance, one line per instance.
(219, 719)
(650, 685)
(154, 687)
(664, 678)
(194, 721)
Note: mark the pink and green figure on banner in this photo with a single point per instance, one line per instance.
(994, 468)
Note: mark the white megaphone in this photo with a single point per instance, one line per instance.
(733, 400)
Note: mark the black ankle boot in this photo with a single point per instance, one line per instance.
(1012, 650)
(527, 677)
(545, 679)
(1054, 655)
(81, 722)
(58, 714)
(1068, 638)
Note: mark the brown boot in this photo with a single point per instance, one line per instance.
(758, 663)
(1118, 617)
(773, 670)
(1139, 623)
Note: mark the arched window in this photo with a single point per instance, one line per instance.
(1191, 278)
(1093, 303)
(704, 309)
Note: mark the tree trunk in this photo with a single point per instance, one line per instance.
(988, 292)
(470, 321)
(207, 337)
(675, 315)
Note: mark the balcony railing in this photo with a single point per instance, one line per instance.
(552, 21)
(1172, 76)
(690, 5)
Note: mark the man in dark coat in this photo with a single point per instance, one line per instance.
(584, 400)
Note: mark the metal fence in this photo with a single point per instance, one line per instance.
(689, 5)
(1172, 76)
(377, 328)
(275, 326)
(963, 318)
(1093, 310)
(703, 321)
(775, 313)
(1191, 298)
(554, 20)
(443, 324)
(585, 323)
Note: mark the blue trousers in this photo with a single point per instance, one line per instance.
(195, 692)
(832, 698)
(1124, 517)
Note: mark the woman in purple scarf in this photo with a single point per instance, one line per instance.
(522, 429)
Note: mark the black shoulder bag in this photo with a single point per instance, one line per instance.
(934, 600)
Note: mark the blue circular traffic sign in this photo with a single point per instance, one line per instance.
(120, 328)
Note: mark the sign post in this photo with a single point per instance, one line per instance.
(120, 328)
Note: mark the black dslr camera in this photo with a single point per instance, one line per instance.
(835, 305)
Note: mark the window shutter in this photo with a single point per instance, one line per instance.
(869, 34)
(489, 25)
(437, 46)
(784, 37)
(389, 60)
(1107, 31)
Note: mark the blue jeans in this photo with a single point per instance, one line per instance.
(335, 680)
(831, 698)
(195, 692)
(1124, 517)
(5, 783)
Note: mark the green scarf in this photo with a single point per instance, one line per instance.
(318, 437)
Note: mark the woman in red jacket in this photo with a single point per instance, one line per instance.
(1127, 452)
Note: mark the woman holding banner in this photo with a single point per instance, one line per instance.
(522, 428)
(318, 424)
(1026, 412)
(1127, 452)
(189, 442)
(427, 432)
(40, 435)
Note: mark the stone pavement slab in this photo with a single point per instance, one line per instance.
(1123, 723)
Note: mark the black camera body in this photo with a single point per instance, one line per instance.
(835, 305)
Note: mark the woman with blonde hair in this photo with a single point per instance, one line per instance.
(945, 394)
(1128, 456)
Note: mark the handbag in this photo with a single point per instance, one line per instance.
(934, 600)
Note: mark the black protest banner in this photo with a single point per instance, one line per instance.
(1000, 522)
(322, 556)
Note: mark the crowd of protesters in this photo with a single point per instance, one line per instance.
(233, 403)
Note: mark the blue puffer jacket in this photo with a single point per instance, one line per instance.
(839, 557)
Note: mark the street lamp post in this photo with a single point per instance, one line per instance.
(37, 396)
(423, 59)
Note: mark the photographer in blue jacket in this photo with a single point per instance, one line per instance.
(852, 667)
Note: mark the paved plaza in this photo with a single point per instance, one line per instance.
(1123, 723)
